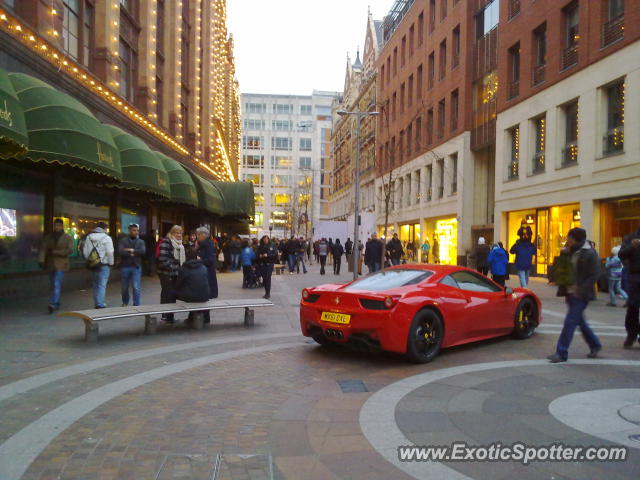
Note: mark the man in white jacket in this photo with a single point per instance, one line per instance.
(103, 244)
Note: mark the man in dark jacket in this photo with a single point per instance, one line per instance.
(207, 253)
(131, 250)
(192, 284)
(587, 268)
(337, 256)
(348, 252)
(630, 256)
(481, 256)
(373, 254)
(394, 248)
(291, 251)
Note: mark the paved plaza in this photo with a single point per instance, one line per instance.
(230, 402)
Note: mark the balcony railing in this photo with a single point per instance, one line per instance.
(613, 30)
(614, 140)
(569, 57)
(570, 154)
(514, 89)
(514, 8)
(538, 163)
(538, 74)
(514, 166)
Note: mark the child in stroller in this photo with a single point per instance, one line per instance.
(250, 274)
(252, 279)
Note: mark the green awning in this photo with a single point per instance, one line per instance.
(210, 198)
(183, 189)
(13, 130)
(141, 168)
(62, 130)
(238, 198)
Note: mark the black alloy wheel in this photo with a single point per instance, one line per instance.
(526, 318)
(425, 336)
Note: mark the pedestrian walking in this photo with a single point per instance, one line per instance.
(498, 259)
(613, 265)
(323, 251)
(436, 250)
(524, 251)
(98, 250)
(247, 257)
(338, 251)
(267, 256)
(425, 250)
(235, 248)
(630, 256)
(481, 256)
(348, 253)
(53, 256)
(373, 254)
(131, 249)
(394, 249)
(300, 255)
(171, 256)
(586, 266)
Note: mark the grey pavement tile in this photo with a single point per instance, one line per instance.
(423, 422)
(469, 401)
(510, 403)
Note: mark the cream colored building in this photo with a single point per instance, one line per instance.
(554, 173)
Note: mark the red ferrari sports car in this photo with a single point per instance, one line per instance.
(417, 310)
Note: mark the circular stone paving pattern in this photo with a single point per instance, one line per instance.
(582, 403)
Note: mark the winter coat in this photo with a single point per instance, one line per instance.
(247, 257)
(373, 252)
(54, 253)
(481, 256)
(323, 248)
(497, 261)
(192, 284)
(563, 271)
(128, 259)
(394, 248)
(102, 243)
(338, 250)
(167, 263)
(348, 247)
(291, 247)
(524, 252)
(268, 253)
(587, 269)
(629, 254)
(207, 253)
(235, 246)
(613, 264)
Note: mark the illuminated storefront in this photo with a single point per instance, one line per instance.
(618, 218)
(410, 233)
(442, 234)
(549, 226)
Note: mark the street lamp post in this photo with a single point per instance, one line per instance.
(356, 251)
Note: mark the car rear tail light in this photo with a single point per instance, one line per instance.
(309, 297)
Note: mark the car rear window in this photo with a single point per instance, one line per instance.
(388, 279)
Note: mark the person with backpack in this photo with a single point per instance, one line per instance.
(171, 256)
(586, 268)
(267, 256)
(613, 265)
(131, 250)
(98, 251)
(54, 254)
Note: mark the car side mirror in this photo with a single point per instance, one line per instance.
(508, 291)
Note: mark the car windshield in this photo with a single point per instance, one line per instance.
(388, 279)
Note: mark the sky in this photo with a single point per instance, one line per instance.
(297, 46)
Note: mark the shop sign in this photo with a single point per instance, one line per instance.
(5, 114)
(104, 157)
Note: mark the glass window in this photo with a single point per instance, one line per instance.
(281, 181)
(488, 19)
(257, 179)
(305, 110)
(389, 279)
(449, 281)
(572, 17)
(21, 226)
(253, 161)
(255, 107)
(615, 8)
(281, 109)
(253, 124)
(570, 153)
(514, 142)
(71, 27)
(281, 143)
(473, 282)
(252, 143)
(304, 163)
(305, 144)
(281, 162)
(614, 136)
(281, 125)
(323, 110)
(539, 126)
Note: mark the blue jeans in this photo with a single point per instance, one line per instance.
(375, 267)
(523, 275)
(615, 287)
(291, 261)
(301, 262)
(131, 276)
(394, 261)
(56, 278)
(100, 279)
(235, 261)
(575, 319)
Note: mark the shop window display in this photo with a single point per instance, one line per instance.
(21, 228)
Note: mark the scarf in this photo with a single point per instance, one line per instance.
(179, 248)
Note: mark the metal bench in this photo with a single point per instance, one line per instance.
(93, 317)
